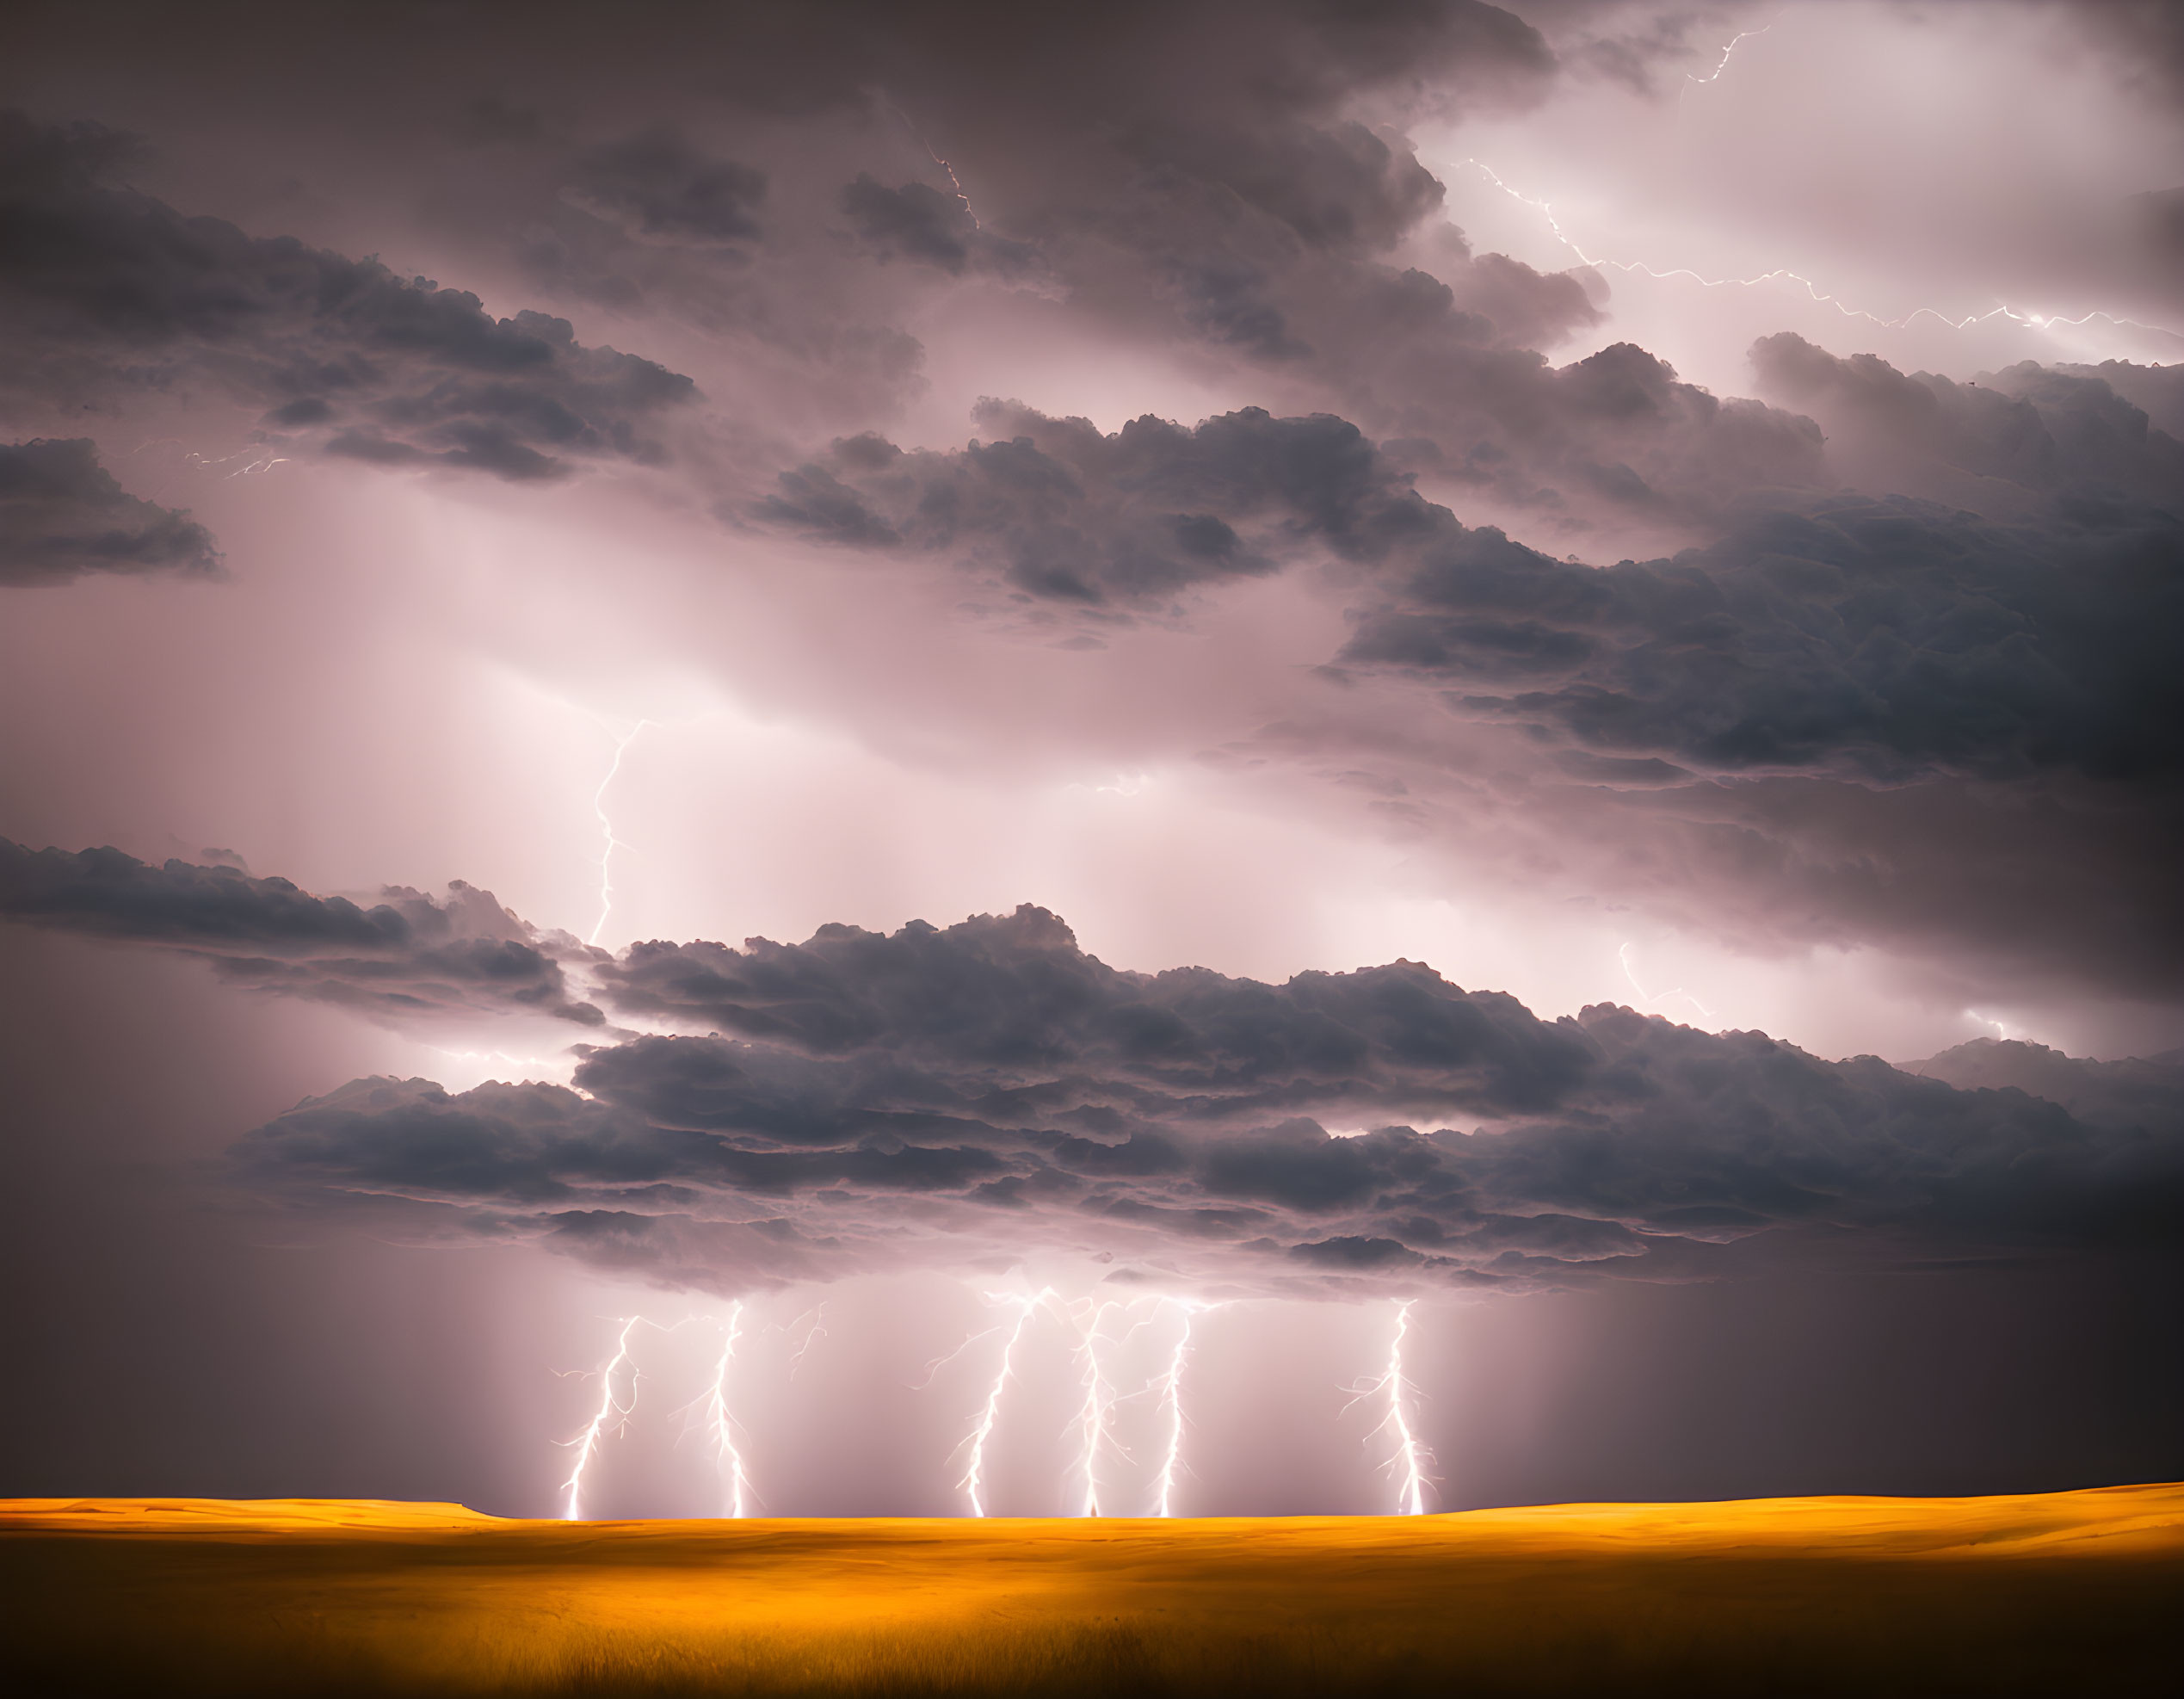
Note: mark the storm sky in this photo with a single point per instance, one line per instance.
(1254, 661)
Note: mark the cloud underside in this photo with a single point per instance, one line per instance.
(106, 293)
(961, 1099)
(404, 959)
(63, 516)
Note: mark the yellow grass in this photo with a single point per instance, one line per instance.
(2055, 1593)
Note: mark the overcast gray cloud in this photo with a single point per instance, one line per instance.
(63, 515)
(104, 290)
(404, 958)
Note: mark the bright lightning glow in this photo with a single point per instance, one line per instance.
(1410, 1459)
(974, 1477)
(610, 1410)
(607, 827)
(1171, 1400)
(1715, 75)
(1096, 1419)
(1783, 274)
(719, 1425)
(1630, 972)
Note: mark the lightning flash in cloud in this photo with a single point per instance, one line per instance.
(611, 1410)
(607, 830)
(1650, 999)
(1410, 1459)
(2035, 321)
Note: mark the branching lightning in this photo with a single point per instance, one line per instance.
(607, 828)
(610, 1410)
(1783, 275)
(1630, 972)
(1411, 1459)
(1096, 1419)
(816, 1331)
(973, 1477)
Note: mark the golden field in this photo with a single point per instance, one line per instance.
(2070, 1592)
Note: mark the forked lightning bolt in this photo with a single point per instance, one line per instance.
(1410, 1459)
(1096, 1420)
(610, 1410)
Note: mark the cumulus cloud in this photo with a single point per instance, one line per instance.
(2005, 443)
(104, 290)
(960, 1098)
(404, 959)
(62, 516)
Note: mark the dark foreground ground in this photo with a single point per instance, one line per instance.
(2062, 1593)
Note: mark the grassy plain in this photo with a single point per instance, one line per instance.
(2059, 1593)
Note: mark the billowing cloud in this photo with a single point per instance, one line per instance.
(1889, 641)
(64, 516)
(403, 959)
(105, 290)
(960, 1098)
(2006, 443)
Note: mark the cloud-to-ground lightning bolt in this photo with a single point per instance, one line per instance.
(1410, 1459)
(974, 1477)
(607, 827)
(1171, 1401)
(720, 1425)
(1783, 274)
(610, 1410)
(1096, 1420)
(1630, 972)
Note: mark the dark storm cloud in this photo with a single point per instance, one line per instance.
(1067, 512)
(916, 221)
(2003, 444)
(1886, 640)
(64, 516)
(2147, 1094)
(1891, 640)
(660, 189)
(104, 291)
(959, 1098)
(404, 958)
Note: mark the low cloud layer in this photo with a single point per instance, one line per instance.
(961, 1098)
(404, 959)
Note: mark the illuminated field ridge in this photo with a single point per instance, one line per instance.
(2049, 1593)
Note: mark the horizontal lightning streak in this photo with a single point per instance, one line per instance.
(1783, 274)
